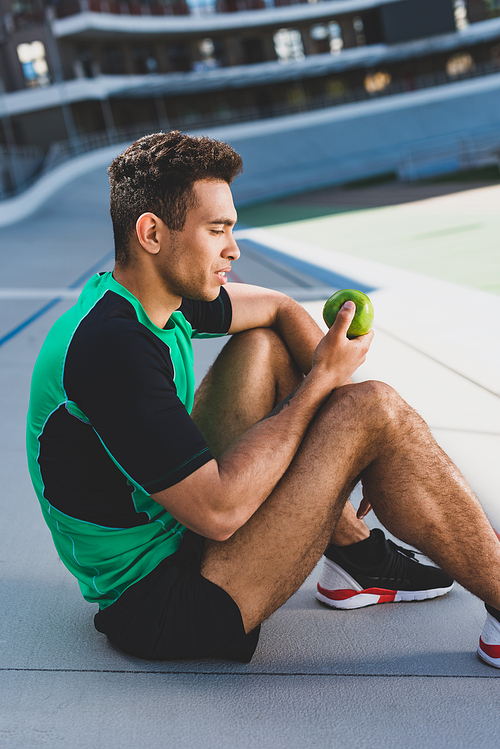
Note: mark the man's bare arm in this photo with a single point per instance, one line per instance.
(220, 497)
(256, 307)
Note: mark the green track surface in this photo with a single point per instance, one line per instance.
(454, 243)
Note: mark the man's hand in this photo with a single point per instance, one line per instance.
(364, 506)
(338, 357)
(255, 307)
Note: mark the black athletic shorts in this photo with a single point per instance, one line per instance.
(175, 613)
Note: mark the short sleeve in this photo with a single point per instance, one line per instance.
(208, 318)
(120, 375)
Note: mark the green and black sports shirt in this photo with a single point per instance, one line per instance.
(109, 425)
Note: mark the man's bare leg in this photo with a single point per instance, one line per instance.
(349, 529)
(365, 431)
(264, 374)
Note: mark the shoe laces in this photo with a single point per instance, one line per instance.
(397, 561)
(410, 553)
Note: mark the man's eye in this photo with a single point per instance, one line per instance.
(217, 231)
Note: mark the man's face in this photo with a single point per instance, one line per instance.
(197, 258)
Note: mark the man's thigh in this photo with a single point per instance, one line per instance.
(253, 372)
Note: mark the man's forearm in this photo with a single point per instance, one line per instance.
(252, 466)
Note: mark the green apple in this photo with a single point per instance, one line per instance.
(363, 317)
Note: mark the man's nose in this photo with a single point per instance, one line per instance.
(233, 251)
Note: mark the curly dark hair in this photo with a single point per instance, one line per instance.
(157, 174)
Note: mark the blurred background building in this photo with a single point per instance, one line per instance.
(76, 75)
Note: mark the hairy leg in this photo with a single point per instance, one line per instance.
(252, 374)
(366, 431)
(423, 499)
(415, 490)
(349, 529)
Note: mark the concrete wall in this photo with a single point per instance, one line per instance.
(415, 134)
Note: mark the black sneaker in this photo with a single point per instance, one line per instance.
(398, 577)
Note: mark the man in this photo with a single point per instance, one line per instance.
(190, 524)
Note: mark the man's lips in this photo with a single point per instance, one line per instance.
(221, 274)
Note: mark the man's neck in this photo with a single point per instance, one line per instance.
(157, 302)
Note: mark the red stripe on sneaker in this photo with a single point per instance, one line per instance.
(386, 596)
(492, 650)
(337, 595)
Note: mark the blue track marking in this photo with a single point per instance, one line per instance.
(36, 315)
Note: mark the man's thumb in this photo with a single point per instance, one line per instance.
(345, 314)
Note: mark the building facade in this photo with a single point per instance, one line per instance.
(73, 70)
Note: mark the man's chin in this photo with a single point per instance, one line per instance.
(208, 296)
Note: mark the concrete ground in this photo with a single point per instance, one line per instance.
(389, 676)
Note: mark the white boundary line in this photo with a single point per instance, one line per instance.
(39, 293)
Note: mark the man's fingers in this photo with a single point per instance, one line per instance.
(363, 509)
(364, 506)
(344, 318)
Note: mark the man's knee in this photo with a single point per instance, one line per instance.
(381, 395)
(373, 402)
(267, 350)
(261, 341)
(243, 353)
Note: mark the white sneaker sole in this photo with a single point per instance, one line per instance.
(339, 590)
(489, 642)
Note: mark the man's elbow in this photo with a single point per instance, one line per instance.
(221, 526)
(219, 534)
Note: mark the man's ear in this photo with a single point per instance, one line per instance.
(149, 229)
